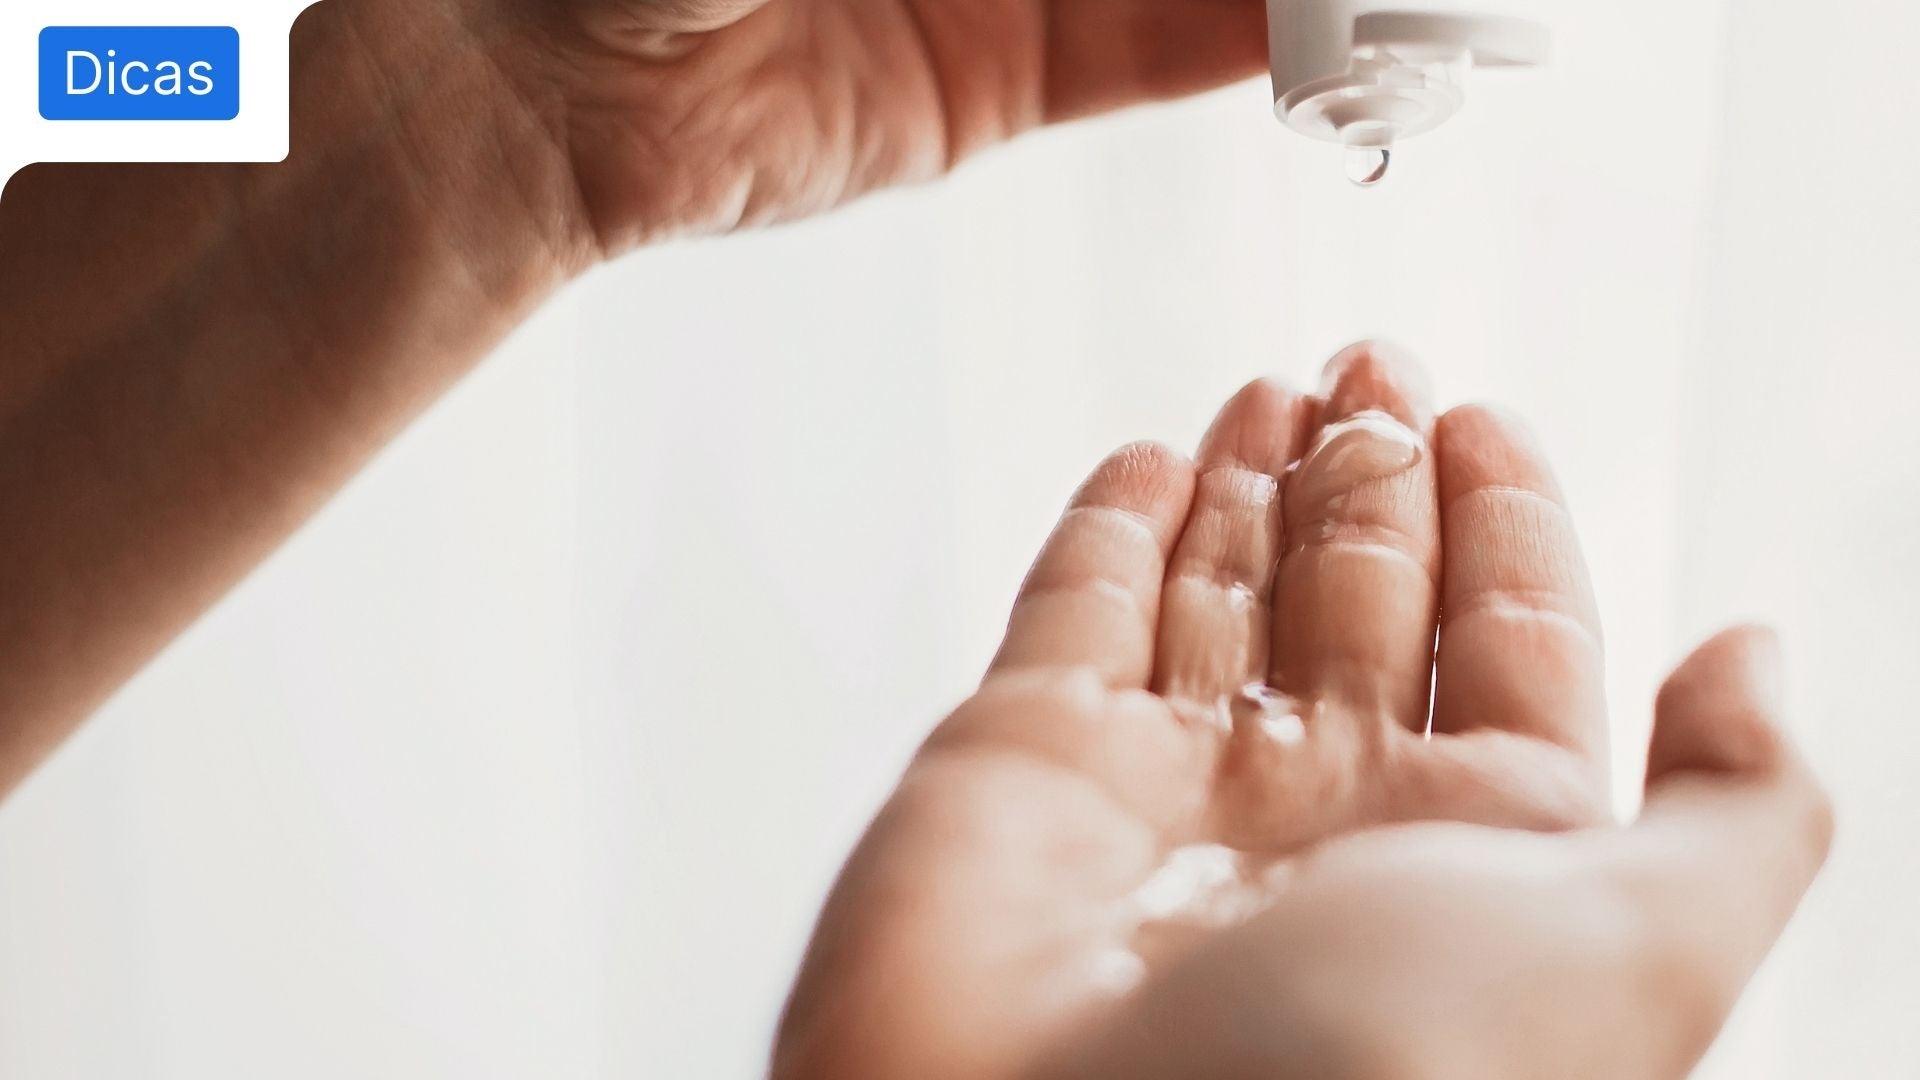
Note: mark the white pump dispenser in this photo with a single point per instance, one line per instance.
(1371, 73)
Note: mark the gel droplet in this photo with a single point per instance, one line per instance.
(1193, 879)
(1198, 891)
(1362, 448)
(1366, 166)
(1276, 716)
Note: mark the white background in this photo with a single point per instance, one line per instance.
(533, 755)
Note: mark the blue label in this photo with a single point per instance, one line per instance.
(139, 73)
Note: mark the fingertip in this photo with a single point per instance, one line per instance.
(1371, 355)
(1739, 665)
(1149, 479)
(1148, 454)
(1748, 654)
(1489, 446)
(1720, 709)
(1379, 375)
(1487, 420)
(1263, 428)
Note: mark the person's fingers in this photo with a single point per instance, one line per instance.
(1721, 762)
(1520, 646)
(1126, 744)
(997, 67)
(1214, 610)
(1106, 54)
(1092, 599)
(1734, 831)
(1355, 595)
(1718, 713)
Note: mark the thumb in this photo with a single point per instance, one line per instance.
(1735, 827)
(1718, 713)
(1724, 779)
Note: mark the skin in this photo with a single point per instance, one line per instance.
(198, 357)
(1459, 906)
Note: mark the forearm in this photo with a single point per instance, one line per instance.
(191, 360)
(195, 358)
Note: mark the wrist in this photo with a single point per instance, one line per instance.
(197, 356)
(428, 120)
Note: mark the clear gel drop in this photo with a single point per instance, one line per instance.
(1367, 167)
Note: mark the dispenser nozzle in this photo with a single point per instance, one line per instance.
(1369, 77)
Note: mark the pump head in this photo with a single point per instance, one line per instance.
(1371, 73)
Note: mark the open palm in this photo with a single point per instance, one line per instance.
(1220, 691)
(1211, 670)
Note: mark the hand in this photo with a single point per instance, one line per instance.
(196, 356)
(1449, 951)
(703, 115)
(1125, 816)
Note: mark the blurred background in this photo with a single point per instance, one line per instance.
(535, 753)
